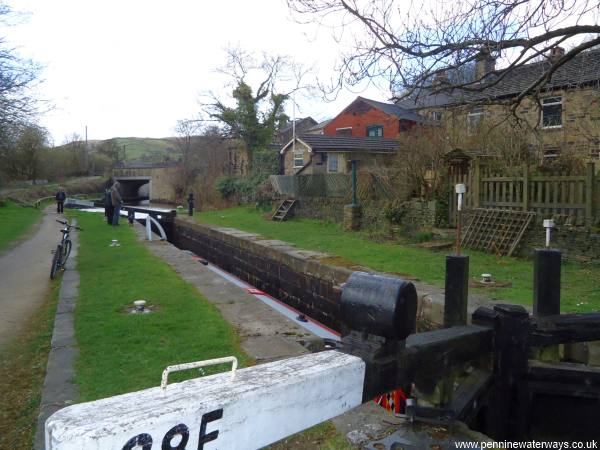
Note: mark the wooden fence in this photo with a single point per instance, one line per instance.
(571, 196)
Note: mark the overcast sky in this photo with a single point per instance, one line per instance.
(134, 67)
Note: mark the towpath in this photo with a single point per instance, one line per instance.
(24, 276)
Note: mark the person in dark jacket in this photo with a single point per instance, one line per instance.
(109, 211)
(117, 202)
(61, 196)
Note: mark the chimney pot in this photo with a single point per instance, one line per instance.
(557, 52)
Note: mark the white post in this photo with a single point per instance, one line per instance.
(548, 225)
(148, 228)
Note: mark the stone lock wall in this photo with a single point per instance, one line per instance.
(298, 278)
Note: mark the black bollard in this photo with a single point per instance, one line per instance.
(457, 290)
(190, 201)
(546, 282)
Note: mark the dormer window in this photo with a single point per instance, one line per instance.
(375, 131)
(552, 112)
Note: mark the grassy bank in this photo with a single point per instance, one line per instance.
(15, 222)
(22, 372)
(122, 352)
(580, 283)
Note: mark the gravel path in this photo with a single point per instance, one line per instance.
(25, 276)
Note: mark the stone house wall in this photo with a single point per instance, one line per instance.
(580, 130)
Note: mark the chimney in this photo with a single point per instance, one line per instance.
(484, 64)
(441, 77)
(557, 53)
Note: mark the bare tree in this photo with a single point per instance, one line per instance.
(17, 77)
(411, 43)
(257, 110)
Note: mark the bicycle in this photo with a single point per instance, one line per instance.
(63, 249)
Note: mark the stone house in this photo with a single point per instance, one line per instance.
(564, 117)
(313, 153)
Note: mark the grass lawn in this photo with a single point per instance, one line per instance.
(22, 372)
(122, 352)
(580, 283)
(320, 437)
(15, 222)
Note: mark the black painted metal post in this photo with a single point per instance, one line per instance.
(455, 308)
(190, 201)
(546, 282)
(354, 199)
(511, 353)
(457, 290)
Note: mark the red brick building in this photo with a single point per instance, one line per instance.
(370, 118)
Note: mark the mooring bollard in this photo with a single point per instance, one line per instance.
(190, 201)
(546, 282)
(457, 290)
(511, 353)
(455, 308)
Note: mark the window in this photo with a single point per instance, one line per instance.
(552, 112)
(474, 117)
(375, 131)
(436, 116)
(595, 151)
(347, 131)
(298, 159)
(332, 163)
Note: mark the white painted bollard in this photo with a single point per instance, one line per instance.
(261, 405)
(149, 221)
(548, 225)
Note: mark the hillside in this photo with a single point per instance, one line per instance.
(146, 149)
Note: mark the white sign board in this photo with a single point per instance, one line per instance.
(261, 405)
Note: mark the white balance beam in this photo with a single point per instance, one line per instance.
(261, 405)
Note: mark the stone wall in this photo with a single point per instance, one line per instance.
(575, 243)
(298, 278)
(418, 214)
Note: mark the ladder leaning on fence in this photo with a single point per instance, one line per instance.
(284, 208)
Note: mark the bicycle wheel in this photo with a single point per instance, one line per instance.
(56, 261)
(66, 252)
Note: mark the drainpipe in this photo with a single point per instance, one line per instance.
(354, 200)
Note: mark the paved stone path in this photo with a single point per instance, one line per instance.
(59, 389)
(25, 276)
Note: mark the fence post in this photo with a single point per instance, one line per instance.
(589, 193)
(476, 183)
(525, 187)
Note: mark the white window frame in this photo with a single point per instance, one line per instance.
(437, 116)
(343, 128)
(333, 157)
(552, 101)
(298, 155)
(474, 118)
